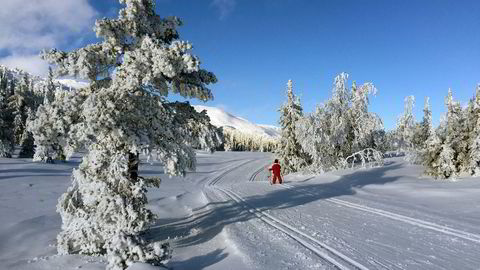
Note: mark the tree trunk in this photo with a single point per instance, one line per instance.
(133, 161)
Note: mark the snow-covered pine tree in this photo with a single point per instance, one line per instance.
(441, 160)
(6, 117)
(23, 99)
(13, 85)
(457, 133)
(52, 124)
(421, 133)
(430, 157)
(406, 126)
(49, 91)
(341, 131)
(115, 119)
(26, 142)
(426, 126)
(48, 132)
(4, 82)
(367, 127)
(17, 105)
(290, 152)
(474, 136)
(6, 135)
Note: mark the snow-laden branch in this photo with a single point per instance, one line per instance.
(366, 158)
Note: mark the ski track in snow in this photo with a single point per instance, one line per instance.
(254, 175)
(413, 221)
(324, 251)
(329, 254)
(215, 180)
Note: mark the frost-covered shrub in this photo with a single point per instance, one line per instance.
(368, 157)
(127, 249)
(122, 113)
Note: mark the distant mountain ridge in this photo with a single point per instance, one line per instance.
(39, 82)
(218, 117)
(221, 118)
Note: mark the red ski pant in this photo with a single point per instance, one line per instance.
(275, 177)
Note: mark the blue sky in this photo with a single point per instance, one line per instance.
(408, 47)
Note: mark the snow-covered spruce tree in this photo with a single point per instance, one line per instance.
(341, 131)
(426, 124)
(52, 124)
(17, 104)
(6, 135)
(474, 136)
(457, 133)
(430, 157)
(49, 91)
(26, 142)
(290, 151)
(406, 126)
(6, 117)
(441, 161)
(454, 148)
(121, 113)
(420, 135)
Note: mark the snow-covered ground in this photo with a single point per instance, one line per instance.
(227, 216)
(221, 118)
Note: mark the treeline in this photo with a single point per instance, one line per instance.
(450, 150)
(20, 98)
(235, 140)
(341, 133)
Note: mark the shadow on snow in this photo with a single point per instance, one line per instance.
(209, 220)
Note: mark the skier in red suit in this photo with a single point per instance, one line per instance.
(275, 168)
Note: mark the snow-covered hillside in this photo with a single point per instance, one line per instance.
(39, 82)
(72, 83)
(221, 118)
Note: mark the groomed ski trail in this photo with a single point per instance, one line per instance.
(322, 250)
(402, 218)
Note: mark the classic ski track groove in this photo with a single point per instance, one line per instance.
(292, 232)
(220, 176)
(325, 252)
(210, 182)
(413, 221)
(252, 177)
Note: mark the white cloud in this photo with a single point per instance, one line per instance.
(28, 26)
(225, 7)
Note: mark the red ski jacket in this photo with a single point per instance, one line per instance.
(275, 169)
